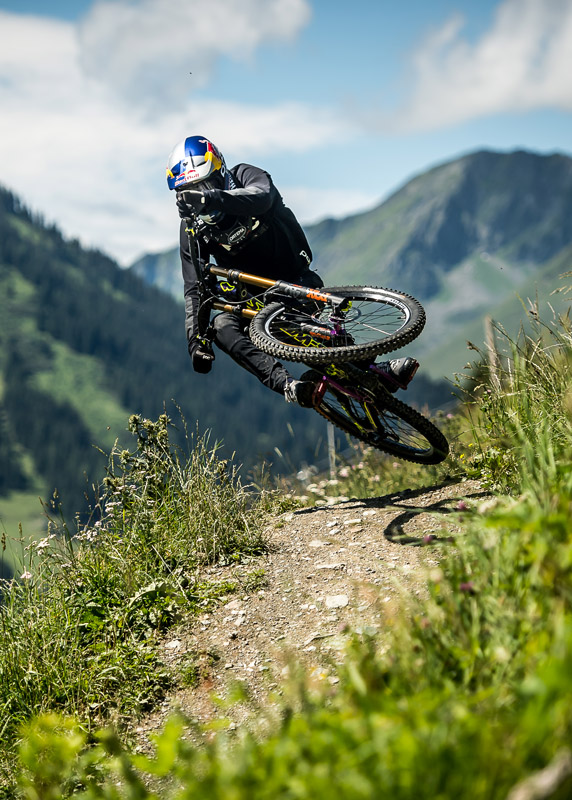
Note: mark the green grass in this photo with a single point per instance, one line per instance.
(80, 627)
(20, 511)
(450, 356)
(468, 692)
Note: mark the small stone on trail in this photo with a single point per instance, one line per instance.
(337, 601)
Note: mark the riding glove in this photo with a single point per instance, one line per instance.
(189, 202)
(202, 357)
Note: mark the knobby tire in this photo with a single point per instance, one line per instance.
(405, 433)
(378, 321)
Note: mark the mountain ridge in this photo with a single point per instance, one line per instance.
(462, 237)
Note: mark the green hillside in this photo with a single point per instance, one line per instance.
(162, 270)
(84, 344)
(539, 289)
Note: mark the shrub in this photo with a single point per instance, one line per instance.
(79, 629)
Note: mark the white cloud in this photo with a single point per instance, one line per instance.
(95, 165)
(523, 62)
(145, 50)
(287, 127)
(313, 205)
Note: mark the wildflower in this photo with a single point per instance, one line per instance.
(26, 576)
(449, 416)
(318, 673)
(428, 538)
(44, 543)
(462, 506)
(344, 472)
(90, 534)
(468, 587)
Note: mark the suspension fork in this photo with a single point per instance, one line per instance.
(281, 287)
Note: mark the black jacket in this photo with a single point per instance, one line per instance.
(276, 248)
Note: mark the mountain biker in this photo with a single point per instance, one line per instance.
(244, 225)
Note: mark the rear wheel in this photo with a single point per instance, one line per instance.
(380, 420)
(375, 321)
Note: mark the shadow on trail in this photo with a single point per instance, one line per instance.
(394, 531)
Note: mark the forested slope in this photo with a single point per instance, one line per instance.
(83, 344)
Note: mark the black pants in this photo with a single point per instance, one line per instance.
(231, 335)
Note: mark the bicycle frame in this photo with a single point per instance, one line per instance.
(352, 394)
(319, 331)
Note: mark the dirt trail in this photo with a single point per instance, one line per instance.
(328, 568)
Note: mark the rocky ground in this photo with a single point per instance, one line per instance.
(329, 569)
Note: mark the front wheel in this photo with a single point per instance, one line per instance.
(379, 420)
(374, 321)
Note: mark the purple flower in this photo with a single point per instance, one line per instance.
(462, 506)
(468, 587)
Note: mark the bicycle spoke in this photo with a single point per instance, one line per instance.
(399, 431)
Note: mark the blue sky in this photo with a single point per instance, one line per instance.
(341, 102)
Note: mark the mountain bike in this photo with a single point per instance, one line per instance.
(337, 332)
